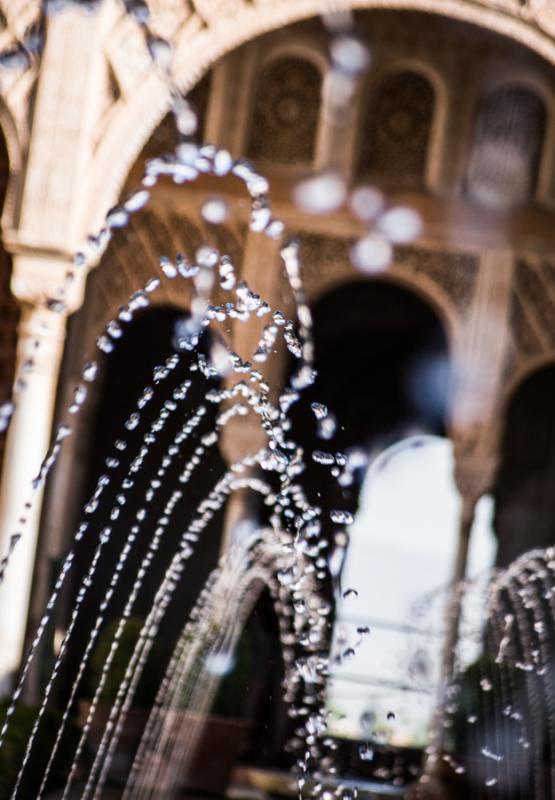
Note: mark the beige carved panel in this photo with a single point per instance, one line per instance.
(133, 257)
(446, 279)
(213, 11)
(532, 311)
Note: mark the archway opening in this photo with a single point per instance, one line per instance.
(142, 480)
(525, 502)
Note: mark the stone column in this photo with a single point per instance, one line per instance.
(474, 477)
(41, 337)
(244, 435)
(340, 119)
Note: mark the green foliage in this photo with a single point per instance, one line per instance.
(13, 750)
(153, 670)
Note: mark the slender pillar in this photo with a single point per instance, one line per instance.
(455, 596)
(41, 336)
(244, 435)
(474, 477)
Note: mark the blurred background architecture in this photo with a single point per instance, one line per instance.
(440, 368)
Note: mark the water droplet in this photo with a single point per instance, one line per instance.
(160, 50)
(207, 256)
(320, 194)
(90, 371)
(341, 517)
(366, 752)
(152, 284)
(137, 200)
(372, 253)
(349, 54)
(169, 270)
(117, 217)
(185, 117)
(319, 410)
(133, 421)
(327, 427)
(215, 211)
(490, 754)
(105, 344)
(400, 225)
(223, 162)
(321, 457)
(366, 203)
(114, 330)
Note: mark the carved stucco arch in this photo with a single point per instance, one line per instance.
(303, 49)
(422, 287)
(138, 115)
(424, 69)
(11, 136)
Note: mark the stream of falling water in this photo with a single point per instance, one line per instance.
(282, 558)
(515, 683)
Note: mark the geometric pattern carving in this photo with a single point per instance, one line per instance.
(454, 273)
(325, 259)
(508, 140)
(132, 258)
(285, 112)
(165, 137)
(532, 312)
(168, 15)
(396, 131)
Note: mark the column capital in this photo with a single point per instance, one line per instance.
(474, 477)
(48, 278)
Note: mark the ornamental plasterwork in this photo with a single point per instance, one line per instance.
(205, 30)
(446, 279)
(133, 257)
(16, 84)
(201, 32)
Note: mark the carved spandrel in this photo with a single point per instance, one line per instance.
(536, 293)
(127, 54)
(133, 257)
(213, 11)
(168, 15)
(326, 261)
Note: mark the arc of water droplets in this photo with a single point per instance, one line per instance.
(166, 517)
(161, 525)
(520, 591)
(146, 395)
(90, 507)
(211, 158)
(104, 537)
(521, 607)
(126, 690)
(186, 167)
(222, 608)
(194, 161)
(165, 601)
(172, 685)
